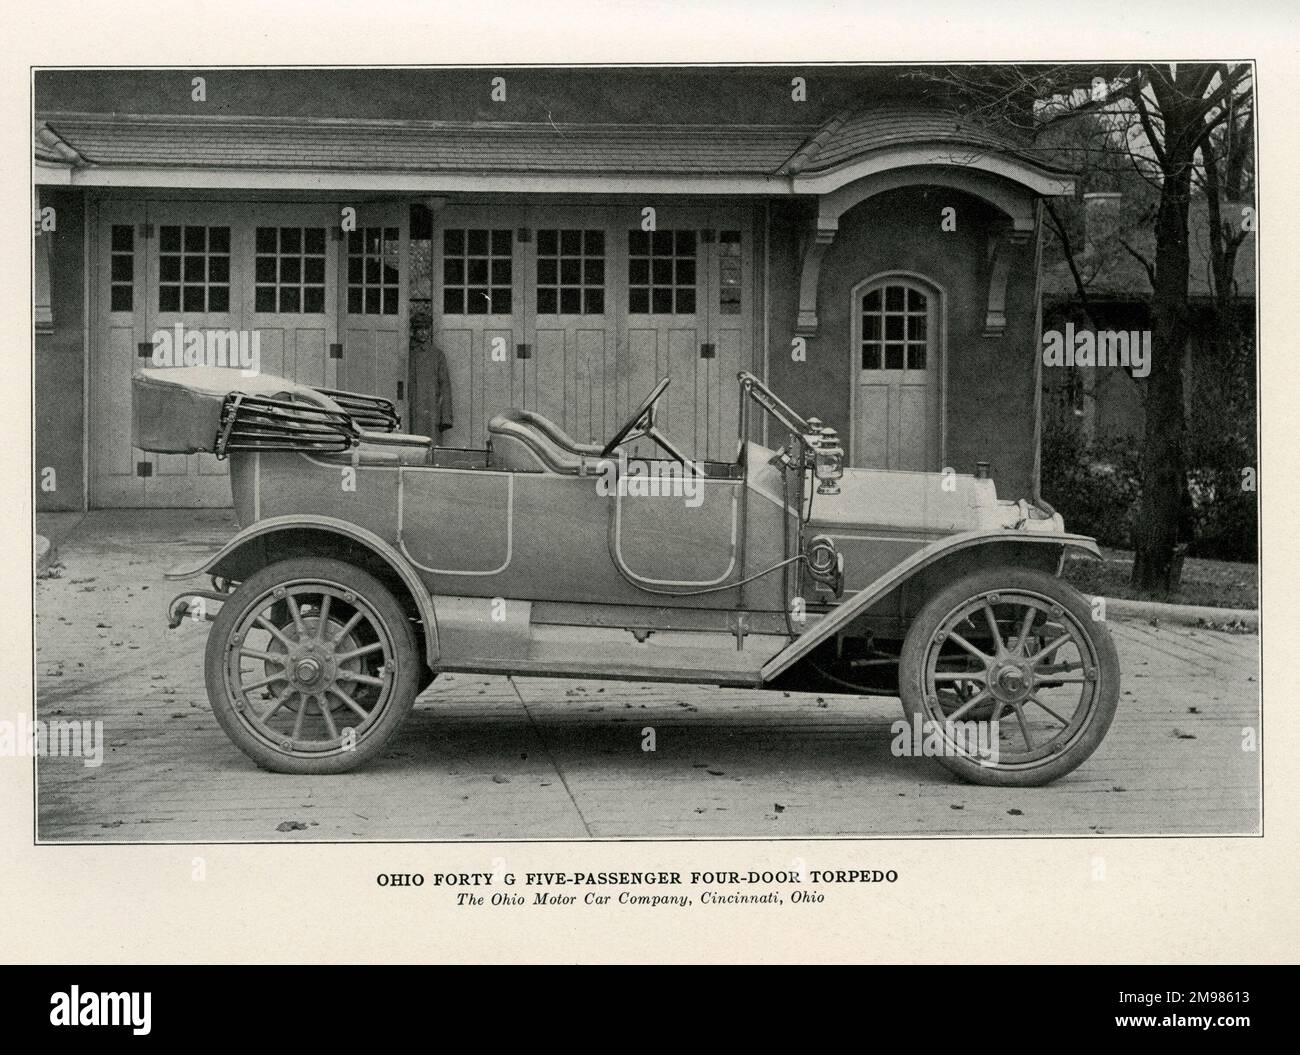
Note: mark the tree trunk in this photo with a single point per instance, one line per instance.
(1163, 506)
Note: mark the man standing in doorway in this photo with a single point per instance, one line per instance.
(431, 413)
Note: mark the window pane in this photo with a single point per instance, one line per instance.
(123, 238)
(391, 300)
(893, 357)
(501, 272)
(871, 327)
(638, 301)
(122, 298)
(501, 242)
(194, 299)
(594, 243)
(893, 327)
(915, 300)
(685, 301)
(571, 243)
(570, 300)
(290, 240)
(685, 243)
(354, 300)
(662, 300)
(169, 239)
(219, 298)
(686, 272)
(546, 302)
(570, 271)
(372, 301)
(289, 299)
(195, 239)
(264, 298)
(871, 302)
(547, 272)
(477, 301)
(453, 242)
(662, 270)
(871, 357)
(638, 272)
(916, 328)
(313, 300)
(478, 270)
(916, 357)
(219, 240)
(354, 270)
(218, 269)
(547, 241)
(893, 298)
(478, 241)
(290, 269)
(453, 302)
(314, 240)
(593, 271)
(501, 301)
(314, 270)
(638, 242)
(169, 298)
(121, 268)
(662, 243)
(593, 302)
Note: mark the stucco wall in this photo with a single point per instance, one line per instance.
(59, 361)
(990, 381)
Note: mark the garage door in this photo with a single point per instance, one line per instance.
(261, 277)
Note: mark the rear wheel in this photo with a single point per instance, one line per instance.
(311, 666)
(1008, 674)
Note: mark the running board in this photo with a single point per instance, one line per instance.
(474, 636)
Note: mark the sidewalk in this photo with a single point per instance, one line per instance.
(498, 758)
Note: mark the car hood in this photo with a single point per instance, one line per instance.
(924, 504)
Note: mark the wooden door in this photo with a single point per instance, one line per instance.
(195, 262)
(374, 303)
(897, 361)
(121, 348)
(478, 316)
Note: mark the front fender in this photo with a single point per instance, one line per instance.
(338, 531)
(850, 609)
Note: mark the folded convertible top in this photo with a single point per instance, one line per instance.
(184, 410)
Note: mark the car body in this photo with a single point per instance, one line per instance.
(369, 560)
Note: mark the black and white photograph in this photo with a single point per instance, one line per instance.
(645, 452)
(642, 482)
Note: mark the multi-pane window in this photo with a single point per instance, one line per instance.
(570, 272)
(894, 328)
(729, 270)
(122, 268)
(289, 270)
(193, 268)
(374, 271)
(477, 271)
(661, 272)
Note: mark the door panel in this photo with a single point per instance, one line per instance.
(195, 262)
(896, 353)
(477, 315)
(119, 298)
(374, 302)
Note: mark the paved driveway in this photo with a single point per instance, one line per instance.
(498, 758)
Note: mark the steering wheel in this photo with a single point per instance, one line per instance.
(642, 423)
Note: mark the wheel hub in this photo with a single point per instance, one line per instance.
(1011, 682)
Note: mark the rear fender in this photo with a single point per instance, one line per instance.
(947, 559)
(276, 538)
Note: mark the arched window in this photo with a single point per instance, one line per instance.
(895, 328)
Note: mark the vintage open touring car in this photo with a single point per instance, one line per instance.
(370, 560)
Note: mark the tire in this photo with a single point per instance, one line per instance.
(338, 655)
(1000, 698)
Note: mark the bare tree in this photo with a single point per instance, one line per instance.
(1162, 117)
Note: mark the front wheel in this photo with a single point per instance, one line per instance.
(1009, 678)
(311, 666)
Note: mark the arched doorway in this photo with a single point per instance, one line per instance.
(897, 373)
